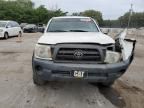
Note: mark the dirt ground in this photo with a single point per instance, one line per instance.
(18, 91)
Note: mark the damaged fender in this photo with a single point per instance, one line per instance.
(127, 46)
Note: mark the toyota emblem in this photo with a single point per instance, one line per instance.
(78, 54)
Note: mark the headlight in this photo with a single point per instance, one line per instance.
(1, 30)
(43, 52)
(112, 57)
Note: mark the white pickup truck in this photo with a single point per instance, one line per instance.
(74, 48)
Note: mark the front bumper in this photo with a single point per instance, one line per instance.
(50, 71)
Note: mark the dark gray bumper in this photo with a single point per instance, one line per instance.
(48, 70)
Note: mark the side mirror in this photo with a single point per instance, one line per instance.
(105, 31)
(8, 26)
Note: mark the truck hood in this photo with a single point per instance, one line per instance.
(75, 37)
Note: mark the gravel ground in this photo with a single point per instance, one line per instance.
(18, 91)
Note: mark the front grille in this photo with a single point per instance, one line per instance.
(78, 55)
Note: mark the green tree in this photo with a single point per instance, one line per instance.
(97, 15)
(137, 19)
(24, 11)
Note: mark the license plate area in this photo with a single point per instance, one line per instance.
(79, 74)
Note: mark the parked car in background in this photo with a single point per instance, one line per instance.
(41, 28)
(22, 25)
(30, 28)
(9, 28)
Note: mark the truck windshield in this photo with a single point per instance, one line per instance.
(2, 24)
(72, 25)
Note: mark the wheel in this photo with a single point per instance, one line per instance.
(6, 36)
(20, 34)
(37, 80)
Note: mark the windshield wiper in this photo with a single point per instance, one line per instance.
(68, 31)
(57, 31)
(78, 31)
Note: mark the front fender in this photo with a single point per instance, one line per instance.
(127, 46)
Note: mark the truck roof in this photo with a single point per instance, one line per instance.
(70, 17)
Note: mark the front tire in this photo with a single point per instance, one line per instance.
(20, 34)
(37, 80)
(6, 36)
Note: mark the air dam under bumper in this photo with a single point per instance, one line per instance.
(50, 71)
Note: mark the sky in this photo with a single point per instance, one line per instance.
(111, 9)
